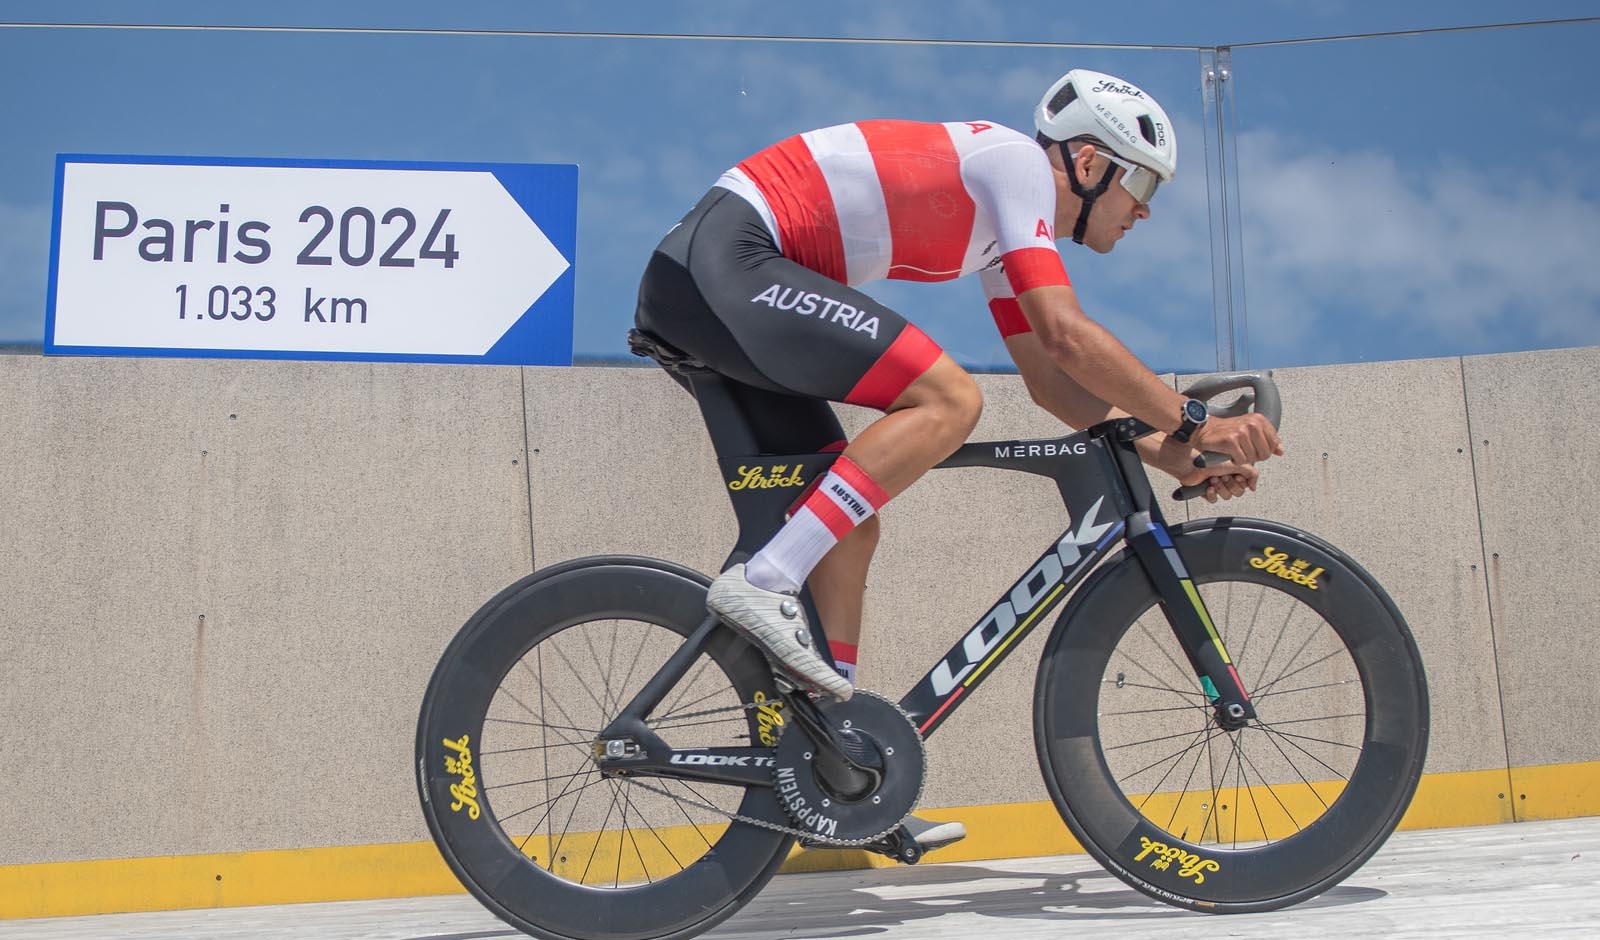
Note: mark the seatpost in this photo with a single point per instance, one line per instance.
(730, 432)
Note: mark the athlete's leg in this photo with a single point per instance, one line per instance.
(839, 583)
(719, 288)
(930, 419)
(924, 425)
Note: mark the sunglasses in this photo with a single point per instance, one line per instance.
(1140, 182)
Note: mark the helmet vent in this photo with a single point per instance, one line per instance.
(1147, 128)
(1064, 97)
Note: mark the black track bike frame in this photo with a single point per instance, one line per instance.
(1107, 495)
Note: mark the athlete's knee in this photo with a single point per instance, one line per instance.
(967, 404)
(950, 394)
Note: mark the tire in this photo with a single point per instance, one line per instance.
(509, 786)
(1252, 820)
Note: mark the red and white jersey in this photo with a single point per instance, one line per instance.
(912, 201)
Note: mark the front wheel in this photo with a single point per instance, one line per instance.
(1253, 819)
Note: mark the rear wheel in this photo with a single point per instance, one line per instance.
(507, 773)
(1247, 820)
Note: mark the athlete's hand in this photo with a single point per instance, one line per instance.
(1224, 481)
(1247, 439)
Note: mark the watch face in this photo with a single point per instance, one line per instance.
(1195, 410)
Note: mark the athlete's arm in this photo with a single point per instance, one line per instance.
(1056, 392)
(1052, 389)
(1103, 368)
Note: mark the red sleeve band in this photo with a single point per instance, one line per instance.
(1008, 316)
(1027, 268)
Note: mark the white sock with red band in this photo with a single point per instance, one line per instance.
(844, 659)
(846, 498)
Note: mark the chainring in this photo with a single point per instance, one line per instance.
(871, 815)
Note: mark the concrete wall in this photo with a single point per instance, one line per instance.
(223, 584)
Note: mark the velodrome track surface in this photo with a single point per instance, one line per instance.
(1539, 879)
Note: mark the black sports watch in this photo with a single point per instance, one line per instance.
(1195, 414)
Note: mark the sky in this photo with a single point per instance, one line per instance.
(1392, 197)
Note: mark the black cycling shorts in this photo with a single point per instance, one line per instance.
(718, 288)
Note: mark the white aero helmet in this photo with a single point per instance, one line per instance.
(1119, 116)
(1129, 122)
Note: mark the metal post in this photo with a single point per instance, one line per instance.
(1222, 189)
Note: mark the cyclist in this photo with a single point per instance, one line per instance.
(759, 282)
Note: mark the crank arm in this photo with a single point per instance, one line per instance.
(850, 764)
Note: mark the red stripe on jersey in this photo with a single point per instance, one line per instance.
(1008, 316)
(851, 472)
(836, 519)
(798, 195)
(930, 212)
(1027, 268)
(910, 355)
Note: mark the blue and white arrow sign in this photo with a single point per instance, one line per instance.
(437, 262)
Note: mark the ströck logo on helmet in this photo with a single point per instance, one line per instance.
(1118, 88)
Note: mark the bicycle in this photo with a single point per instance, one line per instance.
(600, 758)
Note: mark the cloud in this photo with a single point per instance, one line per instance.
(1351, 254)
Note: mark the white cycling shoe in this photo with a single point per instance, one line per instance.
(932, 835)
(776, 624)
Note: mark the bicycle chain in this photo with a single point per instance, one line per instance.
(717, 809)
(806, 834)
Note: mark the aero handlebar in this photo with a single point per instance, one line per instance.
(1261, 397)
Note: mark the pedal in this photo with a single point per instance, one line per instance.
(900, 846)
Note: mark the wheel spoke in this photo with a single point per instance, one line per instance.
(1302, 737)
(1152, 711)
(582, 683)
(687, 684)
(655, 831)
(1259, 695)
(1273, 650)
(1196, 693)
(1269, 788)
(1193, 738)
(1288, 675)
(586, 732)
(1311, 635)
(1163, 737)
(599, 836)
(1296, 768)
(1166, 652)
(608, 712)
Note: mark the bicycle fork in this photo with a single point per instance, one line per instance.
(1190, 621)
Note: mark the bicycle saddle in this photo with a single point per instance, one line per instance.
(650, 346)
